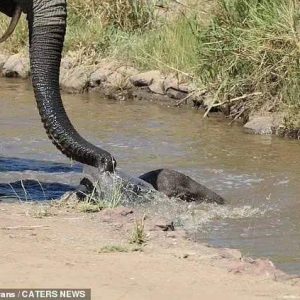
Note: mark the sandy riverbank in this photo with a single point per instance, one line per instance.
(68, 249)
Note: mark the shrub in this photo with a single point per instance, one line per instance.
(253, 46)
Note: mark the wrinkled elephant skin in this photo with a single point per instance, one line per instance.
(47, 26)
(175, 184)
(168, 182)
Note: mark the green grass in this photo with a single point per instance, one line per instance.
(113, 249)
(119, 249)
(125, 29)
(98, 199)
(94, 30)
(41, 211)
(126, 15)
(170, 48)
(253, 46)
(138, 235)
(93, 26)
(19, 40)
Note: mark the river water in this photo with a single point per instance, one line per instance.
(258, 175)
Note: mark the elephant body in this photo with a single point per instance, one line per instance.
(168, 182)
(175, 184)
(7, 7)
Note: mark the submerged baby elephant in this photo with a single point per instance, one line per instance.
(175, 184)
(169, 182)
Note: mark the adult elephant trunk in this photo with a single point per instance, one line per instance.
(47, 26)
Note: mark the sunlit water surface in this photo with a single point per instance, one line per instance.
(258, 175)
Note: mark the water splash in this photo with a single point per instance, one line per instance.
(196, 216)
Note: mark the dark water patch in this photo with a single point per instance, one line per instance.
(32, 190)
(34, 180)
(14, 164)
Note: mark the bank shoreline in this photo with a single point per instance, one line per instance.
(121, 82)
(55, 248)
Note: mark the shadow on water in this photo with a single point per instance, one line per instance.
(33, 189)
(14, 164)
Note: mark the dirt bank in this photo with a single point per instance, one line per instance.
(71, 249)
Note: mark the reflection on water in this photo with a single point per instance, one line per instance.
(21, 169)
(259, 175)
(14, 164)
(33, 190)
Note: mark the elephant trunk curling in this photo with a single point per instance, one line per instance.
(47, 26)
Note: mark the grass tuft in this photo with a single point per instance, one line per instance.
(120, 249)
(98, 200)
(129, 15)
(113, 249)
(41, 211)
(138, 235)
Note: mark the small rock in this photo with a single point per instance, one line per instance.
(176, 94)
(166, 227)
(249, 260)
(75, 80)
(125, 211)
(145, 79)
(67, 63)
(185, 88)
(171, 235)
(16, 66)
(260, 125)
(99, 77)
(3, 59)
(230, 254)
(128, 71)
(174, 89)
(103, 70)
(156, 87)
(171, 82)
(116, 80)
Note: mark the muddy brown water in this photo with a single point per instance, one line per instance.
(258, 175)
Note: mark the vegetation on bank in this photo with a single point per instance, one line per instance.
(253, 46)
(238, 49)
